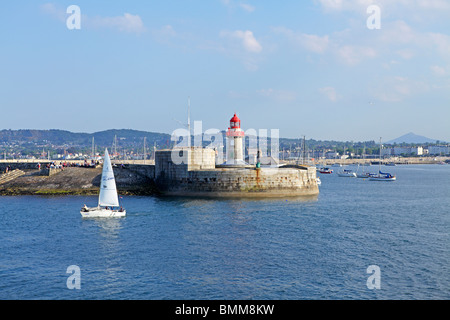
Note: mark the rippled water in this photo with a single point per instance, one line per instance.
(178, 248)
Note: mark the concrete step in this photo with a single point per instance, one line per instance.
(9, 176)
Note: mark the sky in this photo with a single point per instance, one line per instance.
(324, 69)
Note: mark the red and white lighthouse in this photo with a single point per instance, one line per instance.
(235, 140)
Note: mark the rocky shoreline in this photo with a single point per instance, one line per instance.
(76, 181)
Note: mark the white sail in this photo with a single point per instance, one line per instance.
(108, 191)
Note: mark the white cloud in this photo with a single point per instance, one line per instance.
(309, 42)
(398, 88)
(352, 55)
(242, 5)
(397, 32)
(247, 39)
(331, 4)
(164, 33)
(417, 11)
(333, 45)
(247, 7)
(330, 93)
(434, 4)
(438, 70)
(52, 10)
(411, 42)
(405, 53)
(279, 95)
(314, 43)
(126, 23)
(441, 42)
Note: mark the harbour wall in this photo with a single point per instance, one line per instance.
(199, 176)
(187, 172)
(246, 182)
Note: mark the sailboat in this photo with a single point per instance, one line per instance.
(382, 176)
(346, 173)
(364, 174)
(108, 201)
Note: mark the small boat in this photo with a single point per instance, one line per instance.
(325, 171)
(365, 175)
(390, 164)
(108, 200)
(347, 174)
(319, 182)
(382, 177)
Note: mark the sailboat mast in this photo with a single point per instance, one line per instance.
(189, 120)
(379, 163)
(145, 156)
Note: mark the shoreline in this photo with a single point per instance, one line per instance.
(86, 182)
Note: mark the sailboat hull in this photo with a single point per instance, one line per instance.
(383, 179)
(102, 213)
(347, 175)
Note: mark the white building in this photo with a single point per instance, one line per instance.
(417, 151)
(439, 150)
(331, 155)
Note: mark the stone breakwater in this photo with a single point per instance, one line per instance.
(195, 175)
(77, 181)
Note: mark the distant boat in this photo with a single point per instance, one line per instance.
(325, 171)
(319, 182)
(382, 176)
(390, 164)
(108, 200)
(365, 175)
(347, 174)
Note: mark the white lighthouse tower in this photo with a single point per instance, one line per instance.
(235, 143)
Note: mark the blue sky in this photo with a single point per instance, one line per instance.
(309, 68)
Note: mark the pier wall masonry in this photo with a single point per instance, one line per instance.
(18, 165)
(200, 177)
(197, 175)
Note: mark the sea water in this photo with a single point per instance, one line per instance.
(324, 247)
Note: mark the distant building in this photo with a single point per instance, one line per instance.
(438, 150)
(416, 151)
(331, 155)
(386, 152)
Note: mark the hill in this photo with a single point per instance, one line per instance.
(19, 143)
(411, 138)
(125, 138)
